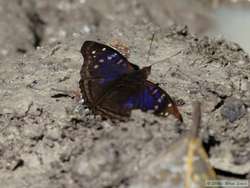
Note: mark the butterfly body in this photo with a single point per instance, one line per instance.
(134, 78)
(112, 87)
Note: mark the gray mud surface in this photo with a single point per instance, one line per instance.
(48, 139)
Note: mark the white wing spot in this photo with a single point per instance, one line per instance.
(165, 114)
(109, 57)
(119, 62)
(156, 107)
(93, 52)
(159, 100)
(169, 105)
(101, 60)
(103, 49)
(155, 91)
(96, 66)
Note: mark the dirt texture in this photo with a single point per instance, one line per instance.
(49, 139)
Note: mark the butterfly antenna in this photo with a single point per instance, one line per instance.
(167, 58)
(150, 46)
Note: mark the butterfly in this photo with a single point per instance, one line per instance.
(112, 86)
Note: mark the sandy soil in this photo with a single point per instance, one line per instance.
(48, 139)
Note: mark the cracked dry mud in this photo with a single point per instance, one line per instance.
(48, 139)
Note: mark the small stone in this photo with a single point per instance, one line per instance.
(4, 52)
(62, 33)
(85, 29)
(82, 1)
(53, 134)
(241, 62)
(244, 85)
(233, 109)
(33, 131)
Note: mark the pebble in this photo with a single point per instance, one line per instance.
(54, 134)
(233, 109)
(33, 131)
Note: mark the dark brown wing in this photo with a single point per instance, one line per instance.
(137, 95)
(102, 66)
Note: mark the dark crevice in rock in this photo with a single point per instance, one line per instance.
(19, 163)
(228, 174)
(221, 97)
(21, 50)
(60, 95)
(217, 94)
(219, 104)
(209, 143)
(65, 93)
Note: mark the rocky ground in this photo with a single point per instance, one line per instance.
(49, 139)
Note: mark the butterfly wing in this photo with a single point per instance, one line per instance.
(163, 104)
(102, 66)
(146, 96)
(102, 61)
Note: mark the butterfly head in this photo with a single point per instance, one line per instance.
(146, 71)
